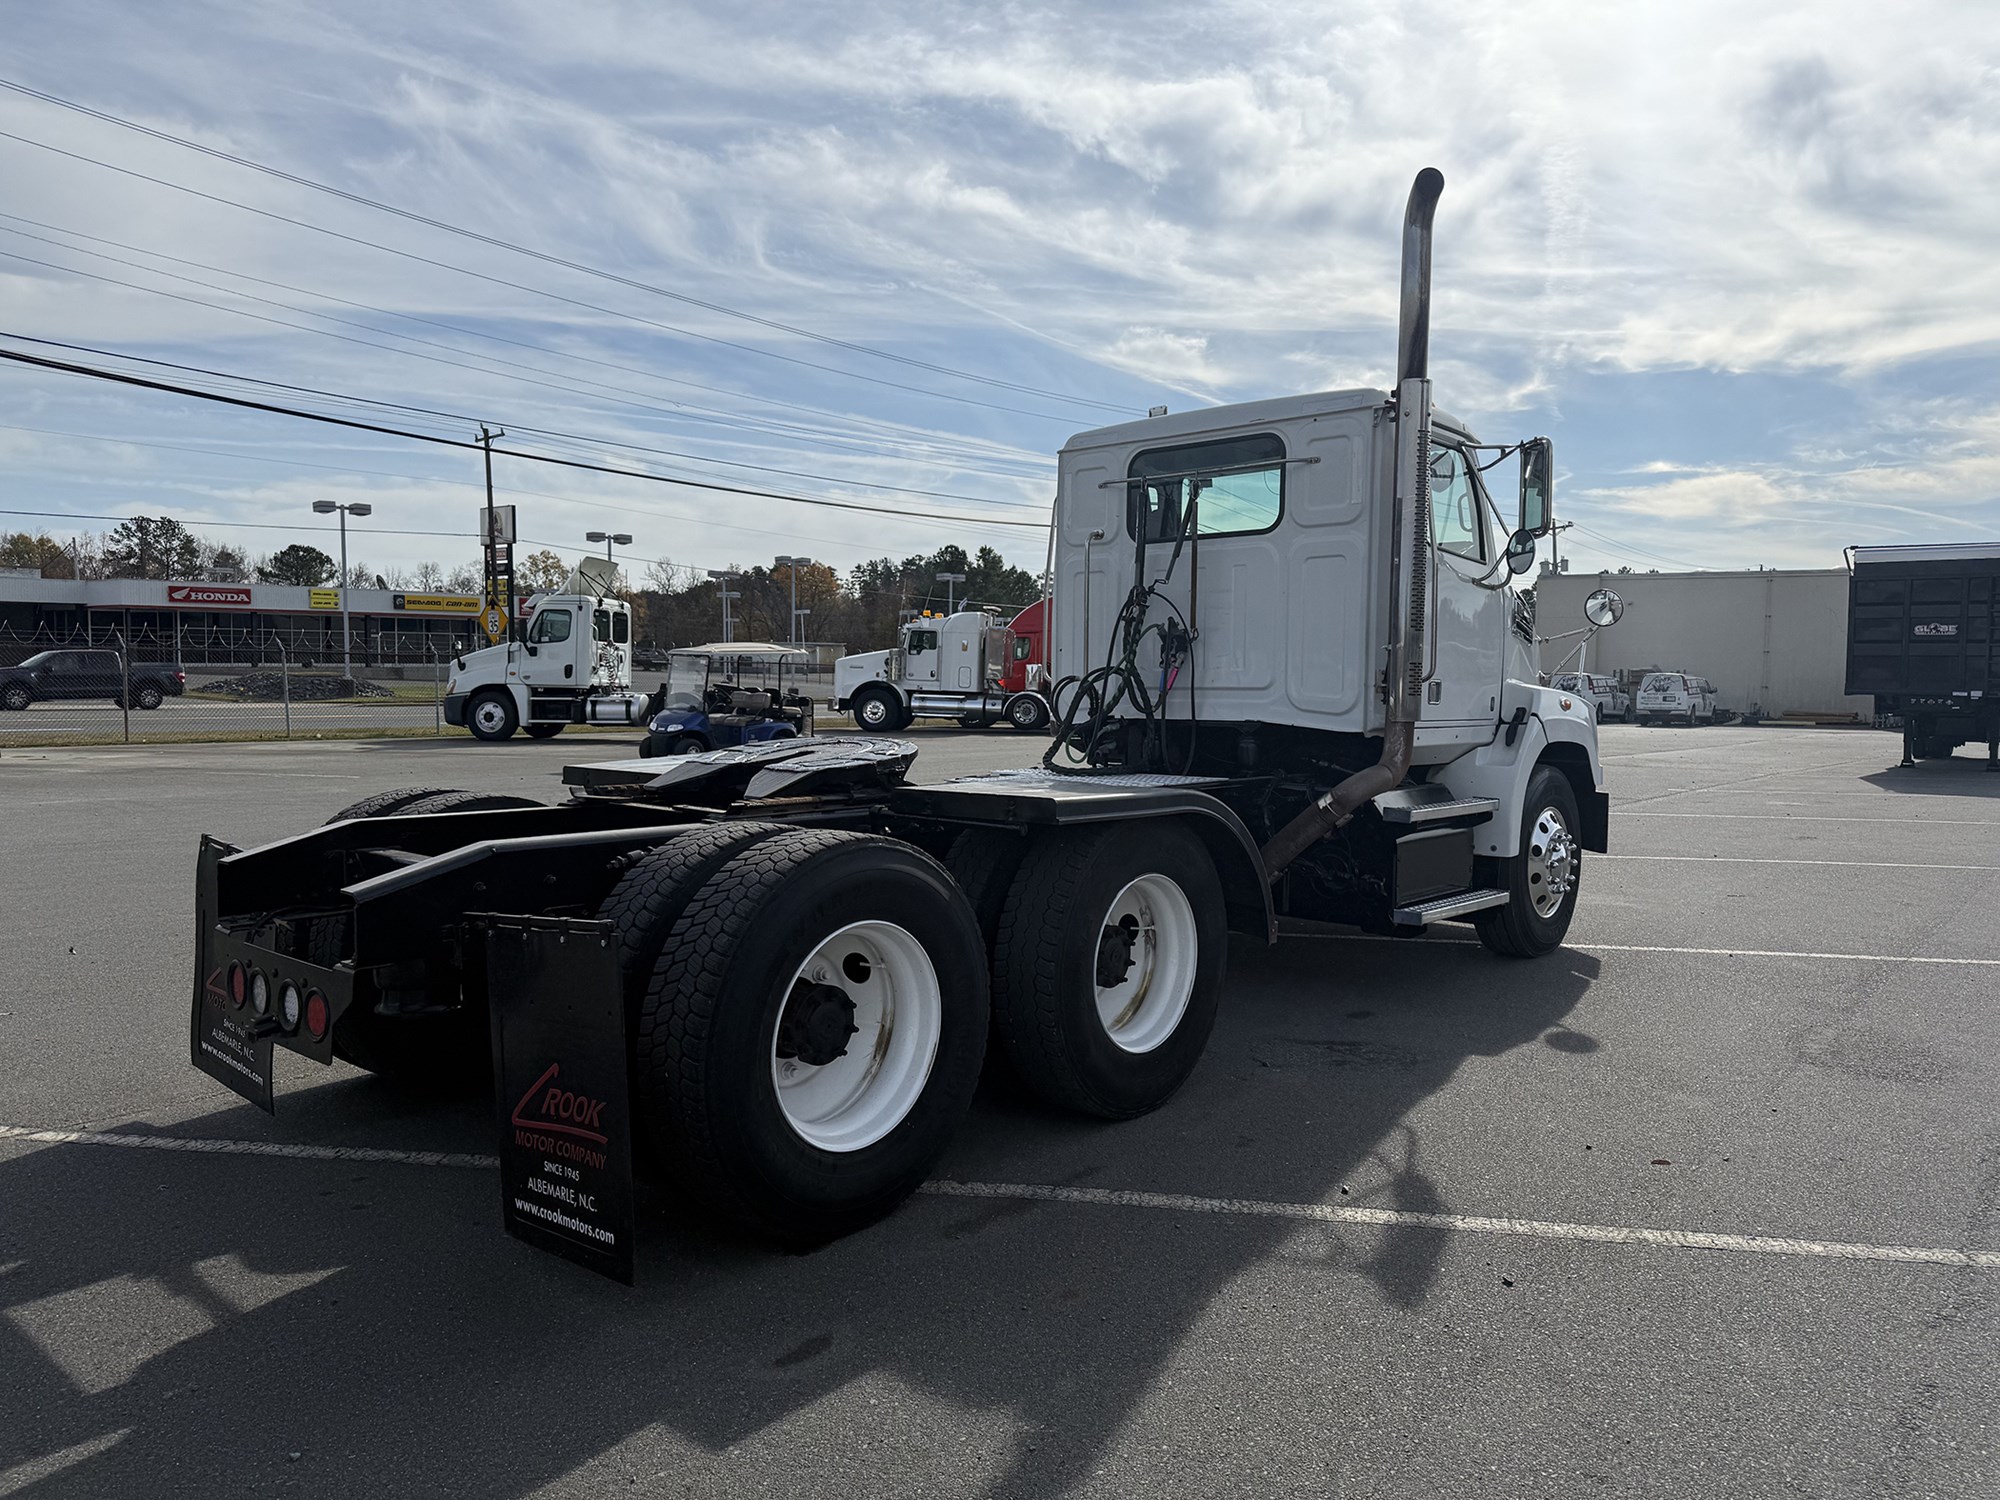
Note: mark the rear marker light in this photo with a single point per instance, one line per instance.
(288, 1006)
(238, 984)
(316, 1016)
(260, 993)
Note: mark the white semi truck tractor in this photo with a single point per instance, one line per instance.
(1294, 680)
(966, 666)
(569, 663)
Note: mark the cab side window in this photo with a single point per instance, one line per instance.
(621, 628)
(551, 625)
(600, 624)
(1456, 524)
(923, 640)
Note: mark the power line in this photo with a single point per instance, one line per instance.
(679, 517)
(545, 458)
(455, 364)
(753, 422)
(445, 265)
(554, 260)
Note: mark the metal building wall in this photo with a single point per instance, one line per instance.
(1776, 639)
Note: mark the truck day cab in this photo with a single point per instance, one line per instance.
(965, 666)
(572, 665)
(1296, 681)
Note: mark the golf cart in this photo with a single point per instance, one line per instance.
(724, 694)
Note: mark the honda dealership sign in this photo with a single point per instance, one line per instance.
(208, 595)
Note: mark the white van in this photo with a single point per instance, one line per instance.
(1610, 700)
(1676, 697)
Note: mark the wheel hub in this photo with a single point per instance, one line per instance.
(1552, 862)
(818, 1020)
(1115, 946)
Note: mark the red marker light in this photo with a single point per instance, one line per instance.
(316, 1016)
(236, 984)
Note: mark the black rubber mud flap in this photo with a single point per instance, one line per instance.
(224, 1039)
(560, 1089)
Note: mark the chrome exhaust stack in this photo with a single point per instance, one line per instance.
(1409, 549)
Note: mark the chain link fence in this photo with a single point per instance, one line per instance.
(103, 688)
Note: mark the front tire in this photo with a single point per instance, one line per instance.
(1107, 965)
(812, 1033)
(1541, 881)
(1028, 713)
(491, 716)
(877, 711)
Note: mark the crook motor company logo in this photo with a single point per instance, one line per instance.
(561, 1121)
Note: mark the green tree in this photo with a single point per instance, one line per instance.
(21, 550)
(541, 572)
(151, 547)
(298, 565)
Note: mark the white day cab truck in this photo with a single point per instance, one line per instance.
(572, 664)
(1304, 686)
(966, 665)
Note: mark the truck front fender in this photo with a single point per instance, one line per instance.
(1548, 734)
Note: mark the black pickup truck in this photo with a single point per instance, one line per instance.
(89, 674)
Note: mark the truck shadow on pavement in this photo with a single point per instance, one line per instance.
(367, 1329)
(1960, 776)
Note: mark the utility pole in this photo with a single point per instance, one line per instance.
(499, 555)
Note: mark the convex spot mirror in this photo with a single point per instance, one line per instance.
(1538, 467)
(1603, 608)
(1520, 552)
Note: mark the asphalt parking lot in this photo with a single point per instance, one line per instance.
(1377, 1247)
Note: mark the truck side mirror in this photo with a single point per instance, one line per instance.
(1538, 464)
(1603, 608)
(1520, 552)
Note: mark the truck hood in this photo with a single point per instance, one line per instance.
(863, 668)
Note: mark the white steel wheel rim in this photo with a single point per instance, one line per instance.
(875, 710)
(1552, 862)
(1145, 1006)
(489, 714)
(855, 1100)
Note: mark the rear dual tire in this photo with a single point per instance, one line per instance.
(761, 947)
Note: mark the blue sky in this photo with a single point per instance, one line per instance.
(1740, 266)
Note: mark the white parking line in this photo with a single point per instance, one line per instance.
(1321, 1213)
(1602, 1234)
(204, 1145)
(1820, 818)
(1742, 859)
(1585, 947)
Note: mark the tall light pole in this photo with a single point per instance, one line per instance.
(793, 564)
(723, 576)
(948, 579)
(622, 538)
(356, 508)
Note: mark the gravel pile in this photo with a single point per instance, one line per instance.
(269, 687)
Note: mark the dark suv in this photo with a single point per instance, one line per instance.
(88, 674)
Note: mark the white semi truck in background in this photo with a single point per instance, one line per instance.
(569, 663)
(1295, 681)
(967, 665)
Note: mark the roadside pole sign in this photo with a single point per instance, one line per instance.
(493, 619)
(557, 1010)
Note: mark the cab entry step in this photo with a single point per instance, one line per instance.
(1431, 804)
(1446, 907)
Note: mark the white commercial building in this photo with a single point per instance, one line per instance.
(1773, 639)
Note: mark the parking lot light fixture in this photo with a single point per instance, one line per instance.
(353, 508)
(792, 565)
(622, 538)
(948, 579)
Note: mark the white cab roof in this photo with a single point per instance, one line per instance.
(1201, 420)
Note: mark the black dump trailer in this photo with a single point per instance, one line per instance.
(1923, 637)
